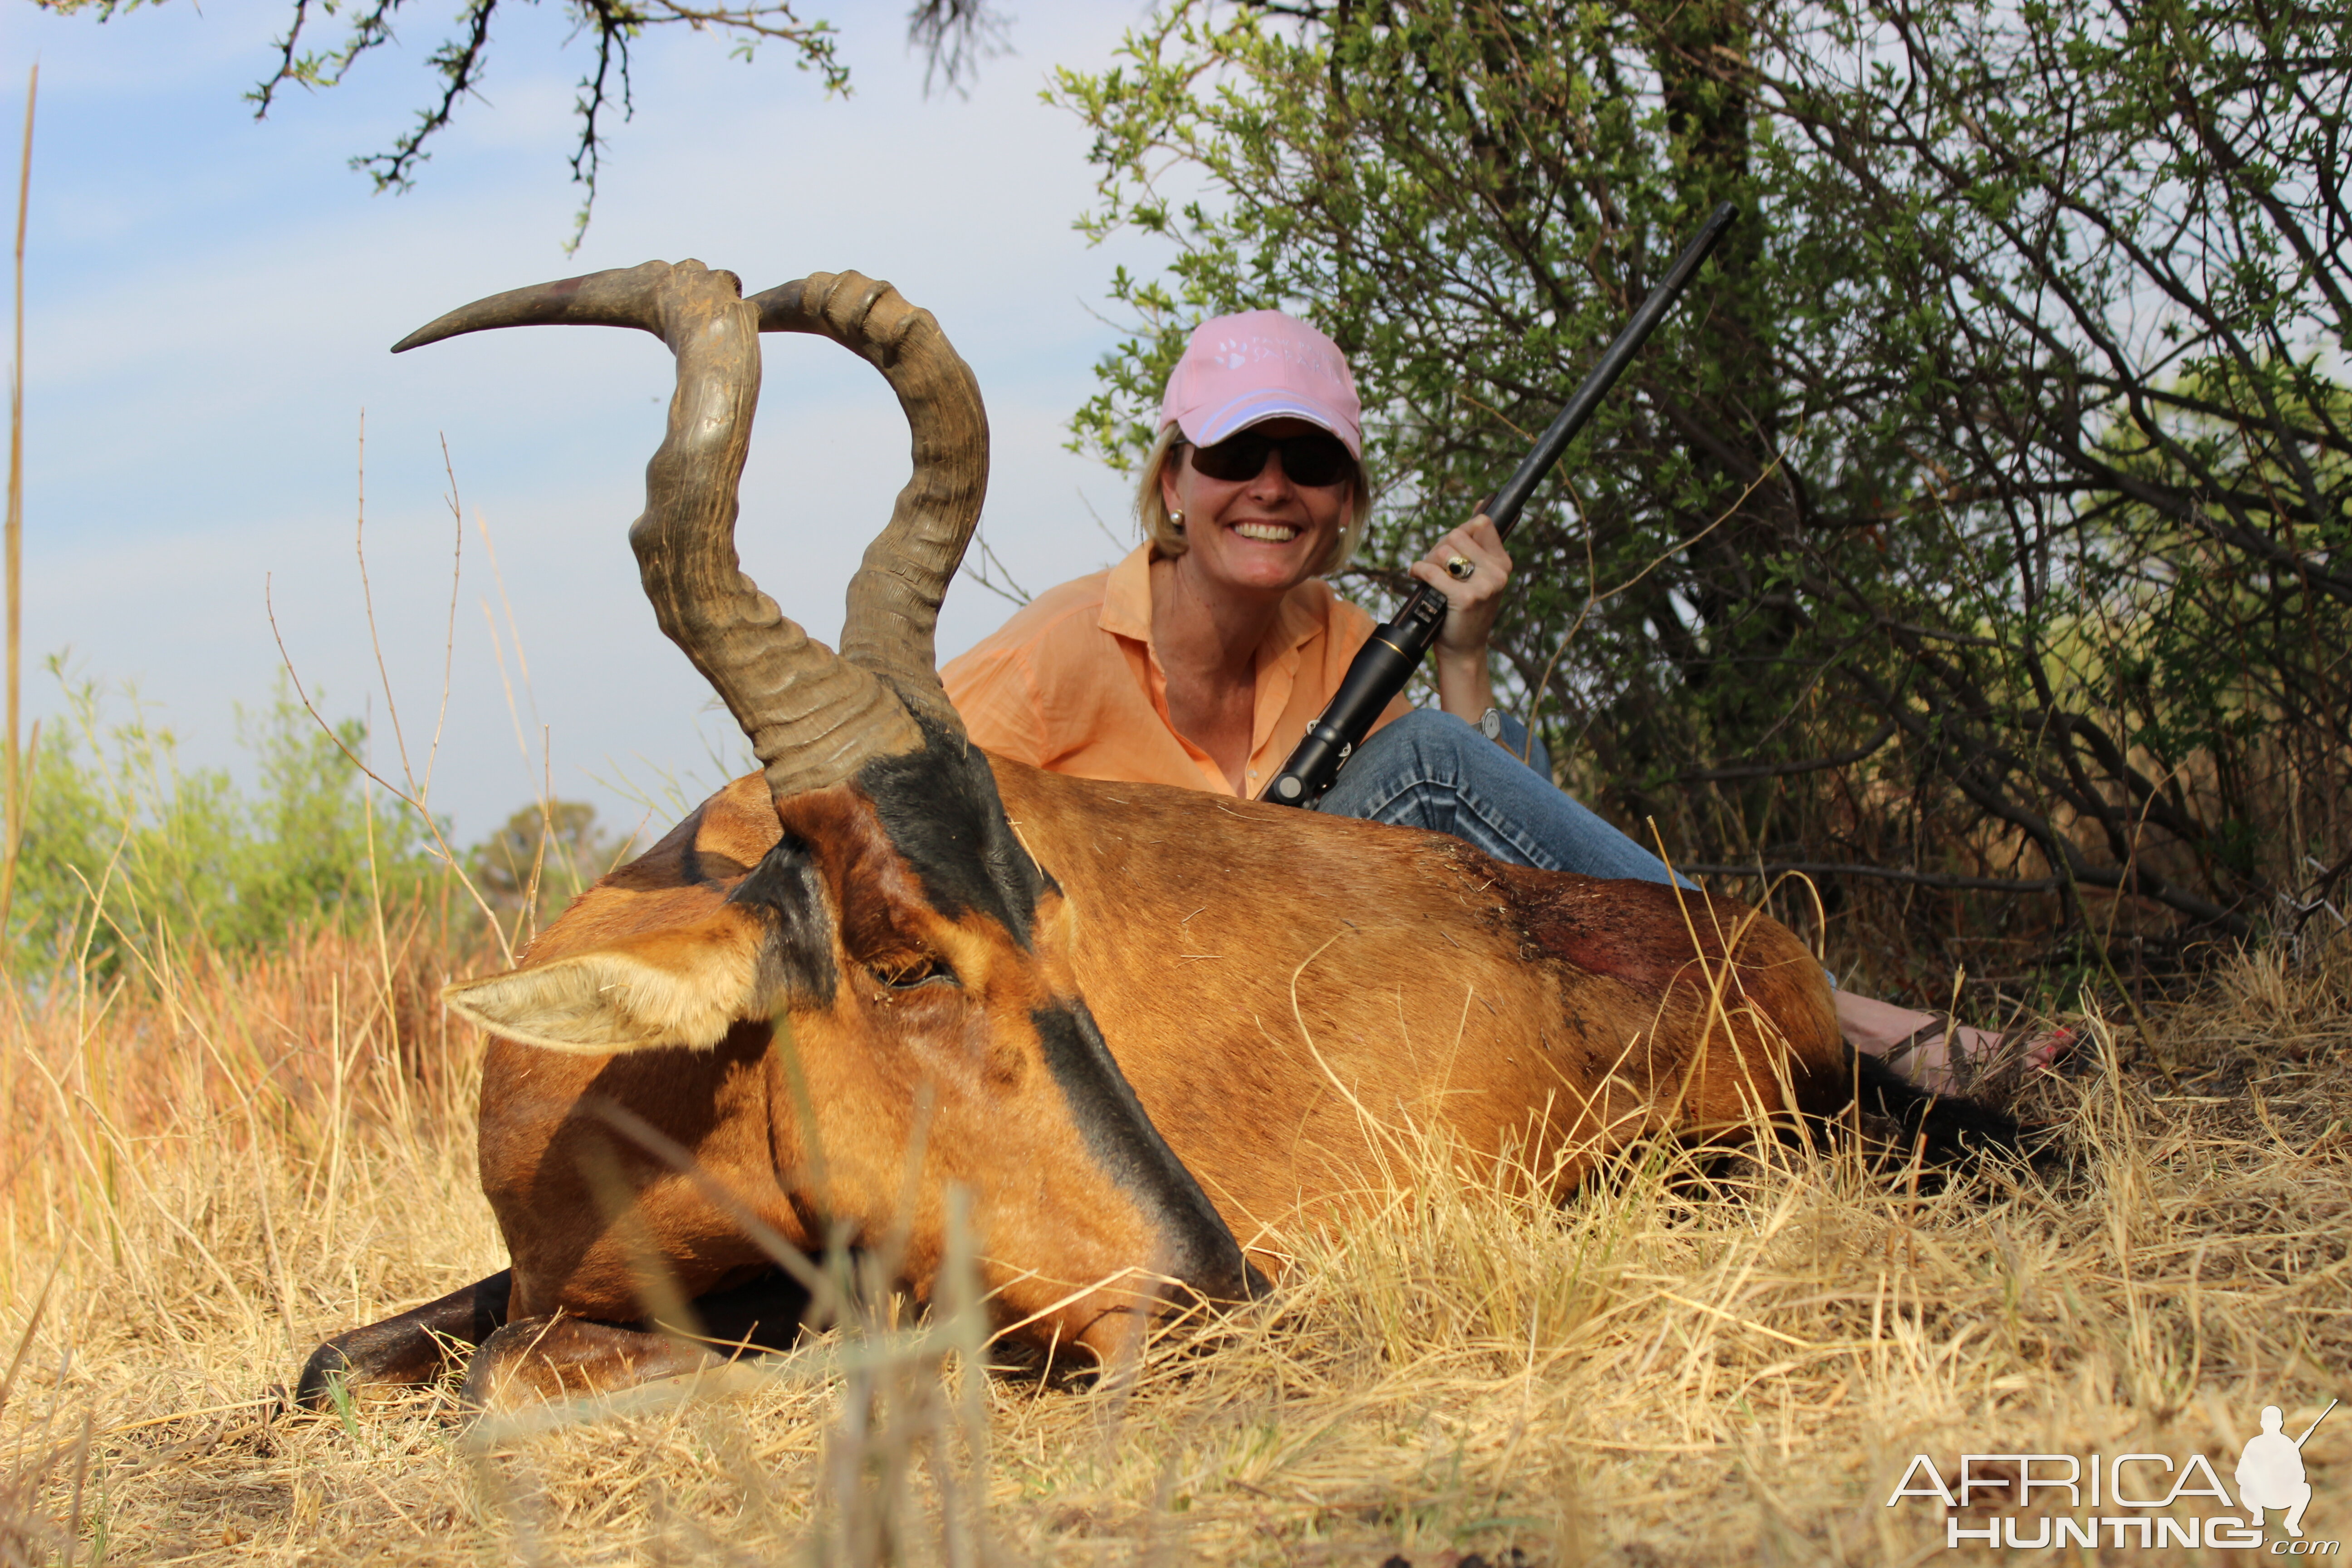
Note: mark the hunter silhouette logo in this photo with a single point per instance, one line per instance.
(2270, 1472)
(2120, 1493)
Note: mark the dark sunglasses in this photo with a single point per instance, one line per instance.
(1314, 460)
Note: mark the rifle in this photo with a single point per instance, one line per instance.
(1396, 649)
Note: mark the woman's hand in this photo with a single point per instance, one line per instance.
(1465, 687)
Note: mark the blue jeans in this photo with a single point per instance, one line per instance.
(1432, 770)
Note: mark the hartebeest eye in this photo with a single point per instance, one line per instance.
(905, 972)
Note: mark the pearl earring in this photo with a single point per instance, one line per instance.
(1176, 520)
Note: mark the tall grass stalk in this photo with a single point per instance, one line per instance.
(13, 542)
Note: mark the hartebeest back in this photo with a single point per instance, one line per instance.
(899, 920)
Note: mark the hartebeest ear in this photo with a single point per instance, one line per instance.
(685, 985)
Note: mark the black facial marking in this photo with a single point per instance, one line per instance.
(785, 889)
(939, 807)
(1119, 1134)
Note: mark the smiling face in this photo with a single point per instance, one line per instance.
(1261, 535)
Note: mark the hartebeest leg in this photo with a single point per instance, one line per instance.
(412, 1348)
(553, 1356)
(1946, 1128)
(556, 1357)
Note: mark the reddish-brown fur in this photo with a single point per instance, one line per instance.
(868, 1063)
(842, 990)
(1282, 989)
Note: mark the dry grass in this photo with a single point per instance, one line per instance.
(220, 1168)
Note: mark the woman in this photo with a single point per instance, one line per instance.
(1199, 659)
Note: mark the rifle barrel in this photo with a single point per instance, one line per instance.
(1570, 421)
(1385, 663)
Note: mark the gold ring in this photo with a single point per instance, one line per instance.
(1461, 568)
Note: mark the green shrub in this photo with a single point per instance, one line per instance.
(128, 855)
(544, 854)
(1973, 539)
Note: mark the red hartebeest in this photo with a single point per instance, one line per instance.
(1151, 1026)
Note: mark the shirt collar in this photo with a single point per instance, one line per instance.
(1126, 598)
(1301, 619)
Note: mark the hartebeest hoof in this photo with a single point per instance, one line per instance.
(552, 1356)
(426, 1343)
(557, 1357)
(1946, 1128)
(417, 1347)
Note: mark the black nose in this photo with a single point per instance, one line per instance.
(1216, 1275)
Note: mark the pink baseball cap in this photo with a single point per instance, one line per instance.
(1261, 364)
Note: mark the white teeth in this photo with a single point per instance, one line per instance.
(1271, 532)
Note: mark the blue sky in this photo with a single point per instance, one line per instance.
(210, 301)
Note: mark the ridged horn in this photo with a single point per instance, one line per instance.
(813, 718)
(624, 296)
(893, 600)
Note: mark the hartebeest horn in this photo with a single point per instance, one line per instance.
(893, 600)
(813, 718)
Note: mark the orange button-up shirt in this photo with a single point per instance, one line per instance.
(1073, 684)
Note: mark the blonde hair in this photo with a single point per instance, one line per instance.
(1167, 540)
